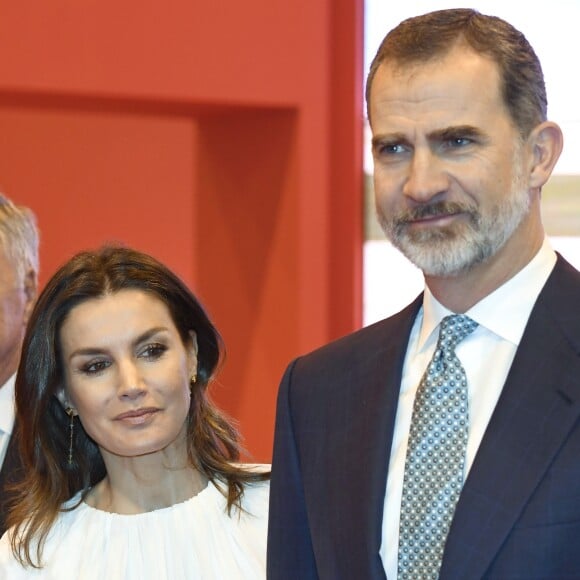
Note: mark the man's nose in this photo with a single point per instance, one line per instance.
(426, 176)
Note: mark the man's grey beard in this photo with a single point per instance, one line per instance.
(454, 249)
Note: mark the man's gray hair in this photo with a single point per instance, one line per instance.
(19, 236)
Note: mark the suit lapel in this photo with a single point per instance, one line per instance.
(345, 429)
(367, 448)
(537, 409)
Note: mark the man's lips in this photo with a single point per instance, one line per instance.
(435, 213)
(434, 218)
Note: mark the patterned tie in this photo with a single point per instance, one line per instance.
(434, 467)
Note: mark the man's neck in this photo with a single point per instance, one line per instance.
(461, 292)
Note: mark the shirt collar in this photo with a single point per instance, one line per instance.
(7, 405)
(505, 311)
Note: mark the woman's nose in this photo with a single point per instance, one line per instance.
(131, 384)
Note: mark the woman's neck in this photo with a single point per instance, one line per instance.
(135, 485)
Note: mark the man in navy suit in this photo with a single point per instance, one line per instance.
(18, 286)
(462, 147)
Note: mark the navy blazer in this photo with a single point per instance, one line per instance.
(518, 515)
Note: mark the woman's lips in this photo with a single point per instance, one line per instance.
(137, 416)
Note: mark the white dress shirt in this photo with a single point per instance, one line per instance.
(6, 415)
(486, 355)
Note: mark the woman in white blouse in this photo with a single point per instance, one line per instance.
(130, 469)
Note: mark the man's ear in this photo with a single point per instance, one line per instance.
(30, 291)
(546, 141)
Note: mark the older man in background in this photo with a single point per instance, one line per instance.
(18, 288)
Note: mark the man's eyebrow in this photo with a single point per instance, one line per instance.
(438, 135)
(389, 139)
(455, 132)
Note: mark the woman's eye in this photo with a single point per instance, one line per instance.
(95, 367)
(153, 351)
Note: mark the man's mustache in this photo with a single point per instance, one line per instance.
(437, 209)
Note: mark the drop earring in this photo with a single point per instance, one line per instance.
(71, 427)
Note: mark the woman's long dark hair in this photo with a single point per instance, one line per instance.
(43, 432)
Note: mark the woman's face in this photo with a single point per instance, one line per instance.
(127, 373)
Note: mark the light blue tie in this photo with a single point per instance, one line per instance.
(434, 467)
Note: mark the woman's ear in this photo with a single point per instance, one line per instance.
(193, 355)
(546, 141)
(65, 402)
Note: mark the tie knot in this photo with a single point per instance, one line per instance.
(454, 329)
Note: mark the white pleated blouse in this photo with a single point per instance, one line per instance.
(196, 539)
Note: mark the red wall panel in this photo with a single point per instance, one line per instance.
(224, 138)
(248, 255)
(94, 176)
(256, 51)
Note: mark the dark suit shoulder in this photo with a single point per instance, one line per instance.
(564, 278)
(558, 300)
(386, 338)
